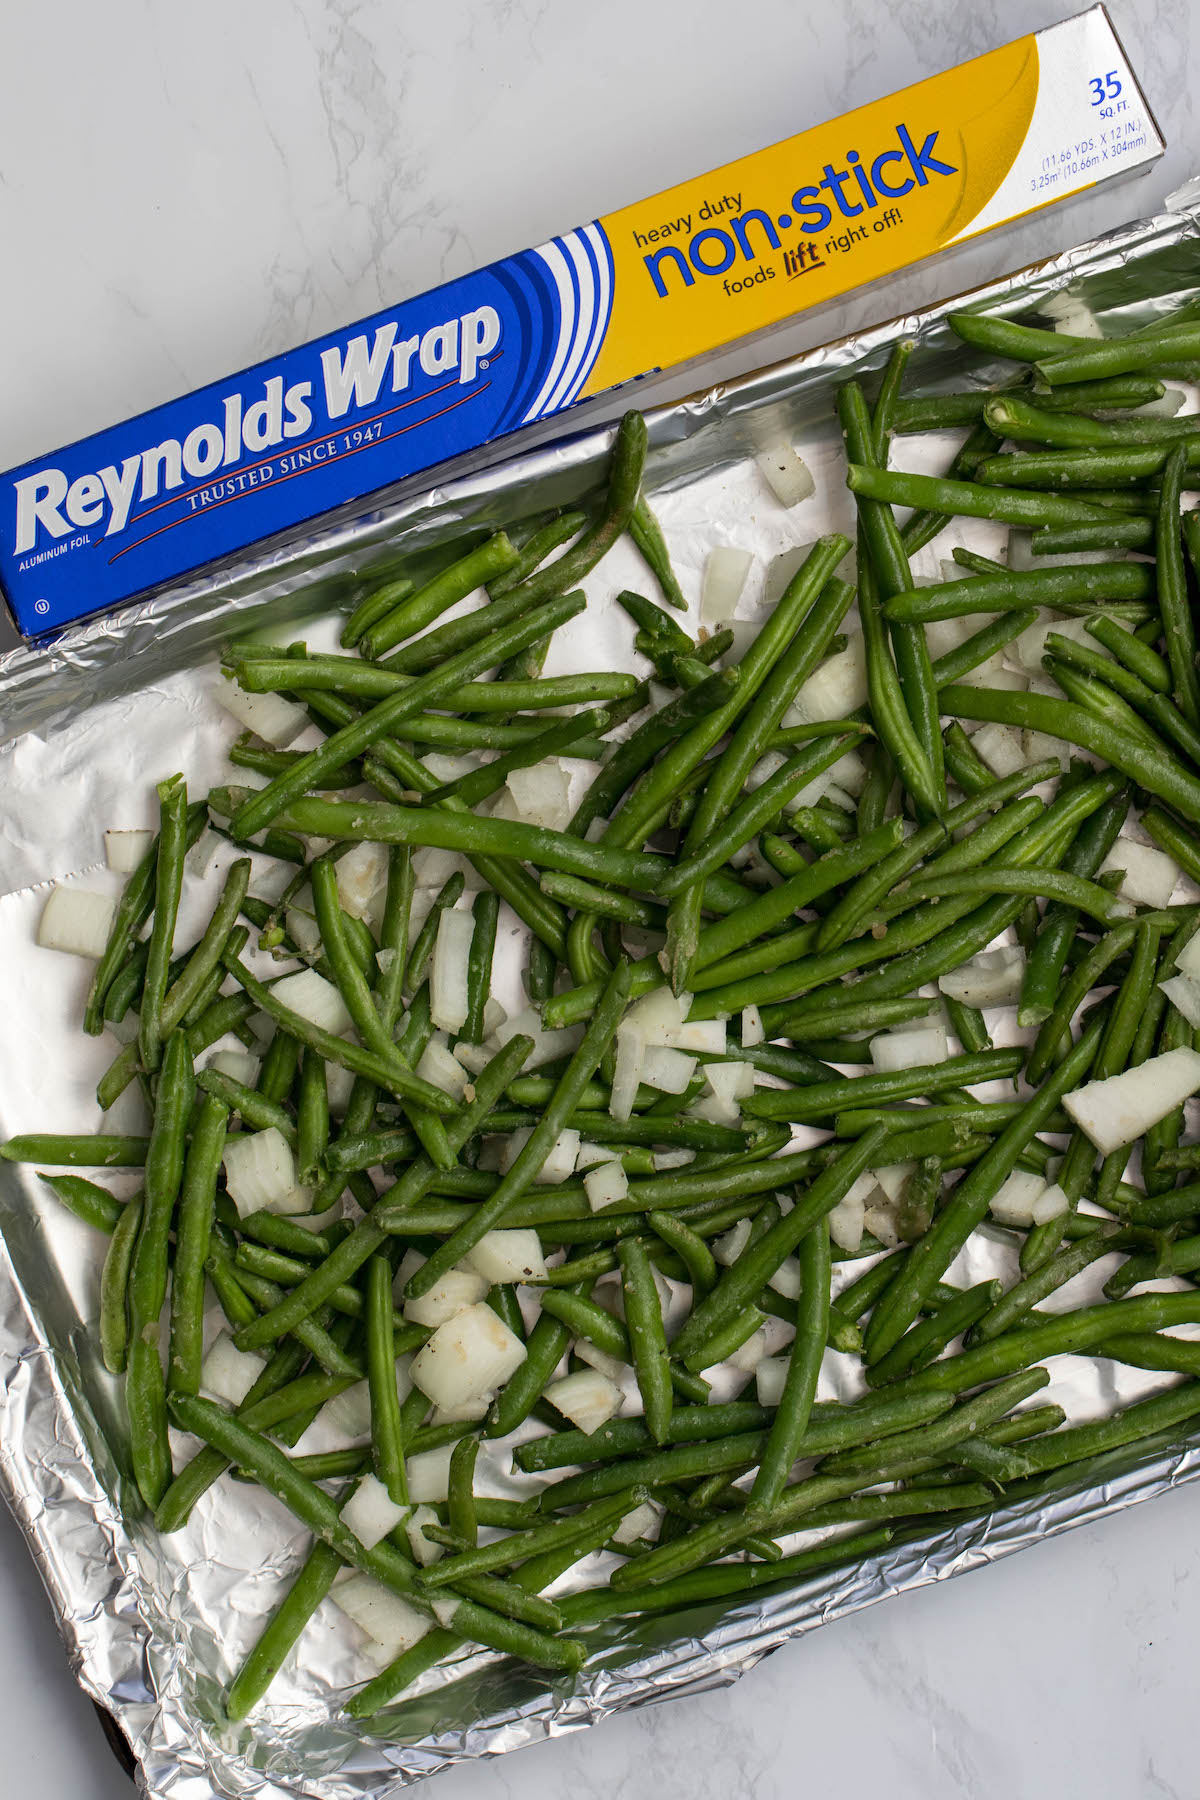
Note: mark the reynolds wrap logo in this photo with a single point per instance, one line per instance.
(53, 505)
(860, 187)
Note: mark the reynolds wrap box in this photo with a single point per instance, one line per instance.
(660, 283)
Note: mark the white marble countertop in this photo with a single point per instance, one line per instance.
(184, 190)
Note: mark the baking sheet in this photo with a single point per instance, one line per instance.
(155, 1627)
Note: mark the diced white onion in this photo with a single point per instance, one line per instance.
(228, 1373)
(428, 1473)
(627, 1070)
(314, 999)
(1188, 960)
(1150, 875)
(1170, 402)
(1016, 1198)
(239, 1065)
(1001, 749)
(880, 1221)
(452, 1294)
(508, 1255)
(846, 1220)
(385, 1616)
(668, 1071)
(672, 1159)
(643, 1522)
(269, 716)
(605, 1185)
(704, 1036)
(1051, 1203)
(361, 874)
(124, 850)
(915, 1049)
(548, 1046)
(1072, 315)
(474, 1353)
(346, 1419)
(76, 921)
(752, 1027)
(786, 1279)
(448, 973)
(838, 687)
(440, 1067)
(260, 1174)
(591, 1155)
(751, 1353)
(444, 1611)
(725, 572)
(1122, 1108)
(424, 1550)
(541, 794)
(1028, 649)
(993, 978)
(893, 1179)
(1184, 994)
(476, 1408)
(658, 1018)
(449, 768)
(370, 1513)
(770, 1375)
(611, 1366)
(587, 1398)
(786, 474)
(302, 926)
(730, 1245)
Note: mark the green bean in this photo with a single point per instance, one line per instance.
(889, 570)
(888, 398)
(1066, 1334)
(1095, 583)
(644, 744)
(1167, 780)
(415, 610)
(392, 1074)
(312, 1117)
(582, 1066)
(924, 1342)
(804, 1366)
(923, 523)
(536, 549)
(555, 739)
(387, 1444)
(1086, 896)
(305, 1593)
(968, 1204)
(754, 1268)
(168, 883)
(1119, 356)
(1112, 534)
(255, 1108)
(367, 729)
(937, 412)
(193, 1227)
(969, 499)
(78, 1152)
(463, 1521)
(823, 1099)
(646, 533)
(1174, 603)
(270, 1467)
(276, 1076)
(1128, 650)
(647, 1337)
(486, 912)
(1011, 416)
(519, 1546)
(1078, 470)
(114, 1289)
(627, 1437)
(94, 1205)
(133, 909)
(887, 700)
(145, 1383)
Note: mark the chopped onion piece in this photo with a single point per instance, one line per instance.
(752, 1027)
(846, 1219)
(705, 1037)
(457, 1290)
(76, 921)
(1122, 1108)
(669, 1071)
(1188, 960)
(605, 1185)
(880, 1221)
(786, 1279)
(672, 1159)
(915, 1049)
(239, 1065)
(1001, 749)
(1184, 994)
(471, 1354)
(370, 1513)
(385, 1616)
(346, 1419)
(541, 795)
(361, 874)
(444, 1611)
(729, 1247)
(1170, 402)
(260, 1174)
(1051, 1203)
(838, 687)
(1072, 315)
(1150, 875)
(512, 1255)
(627, 1070)
(448, 974)
(228, 1373)
(269, 716)
(786, 474)
(643, 1522)
(440, 1067)
(770, 1376)
(993, 978)
(548, 1046)
(659, 1017)
(424, 1550)
(725, 572)
(751, 1352)
(302, 926)
(124, 850)
(587, 1398)
(1013, 1204)
(610, 1366)
(428, 1472)
(315, 999)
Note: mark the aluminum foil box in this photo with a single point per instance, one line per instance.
(666, 281)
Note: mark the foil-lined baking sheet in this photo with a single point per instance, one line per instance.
(156, 1626)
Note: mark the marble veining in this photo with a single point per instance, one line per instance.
(185, 190)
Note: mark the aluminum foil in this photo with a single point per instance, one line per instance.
(154, 1627)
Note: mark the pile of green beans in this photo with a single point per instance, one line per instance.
(798, 923)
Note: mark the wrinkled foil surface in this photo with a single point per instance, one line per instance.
(155, 1627)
